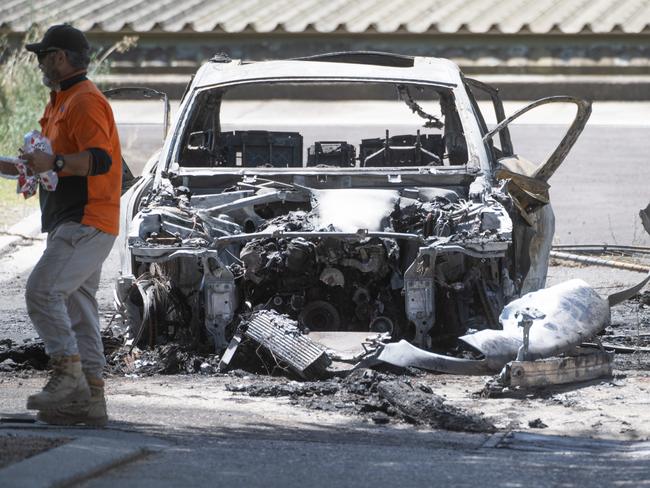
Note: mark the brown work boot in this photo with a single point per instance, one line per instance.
(91, 412)
(67, 383)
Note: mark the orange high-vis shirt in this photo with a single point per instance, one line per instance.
(79, 118)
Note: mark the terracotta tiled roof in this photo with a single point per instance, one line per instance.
(334, 16)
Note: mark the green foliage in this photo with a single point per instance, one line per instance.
(22, 100)
(22, 94)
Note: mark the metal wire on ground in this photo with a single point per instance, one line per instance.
(599, 261)
(603, 249)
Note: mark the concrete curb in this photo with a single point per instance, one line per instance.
(28, 228)
(76, 461)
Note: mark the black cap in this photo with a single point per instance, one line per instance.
(62, 36)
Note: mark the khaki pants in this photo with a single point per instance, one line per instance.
(61, 290)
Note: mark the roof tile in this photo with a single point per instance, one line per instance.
(340, 16)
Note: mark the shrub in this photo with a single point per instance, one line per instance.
(22, 94)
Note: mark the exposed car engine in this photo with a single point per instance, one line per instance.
(418, 263)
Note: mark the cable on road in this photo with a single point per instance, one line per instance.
(603, 248)
(599, 261)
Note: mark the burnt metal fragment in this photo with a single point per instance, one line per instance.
(404, 355)
(428, 408)
(645, 218)
(558, 371)
(285, 341)
(537, 424)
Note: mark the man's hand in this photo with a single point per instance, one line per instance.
(38, 161)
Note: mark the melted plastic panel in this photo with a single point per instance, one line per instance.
(564, 315)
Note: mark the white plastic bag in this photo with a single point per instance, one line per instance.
(49, 179)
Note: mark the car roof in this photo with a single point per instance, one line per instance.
(380, 67)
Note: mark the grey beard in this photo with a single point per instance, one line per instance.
(52, 85)
(48, 83)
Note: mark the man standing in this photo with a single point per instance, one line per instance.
(81, 218)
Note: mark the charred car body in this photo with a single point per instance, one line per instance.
(425, 231)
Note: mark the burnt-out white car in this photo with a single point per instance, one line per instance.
(349, 191)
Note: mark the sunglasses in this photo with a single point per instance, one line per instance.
(41, 55)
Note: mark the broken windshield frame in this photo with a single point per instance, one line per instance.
(471, 84)
(444, 90)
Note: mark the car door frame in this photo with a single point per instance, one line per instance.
(545, 170)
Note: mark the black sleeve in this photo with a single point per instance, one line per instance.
(100, 162)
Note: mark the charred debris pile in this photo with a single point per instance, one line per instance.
(378, 396)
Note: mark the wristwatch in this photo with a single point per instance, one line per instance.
(59, 163)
